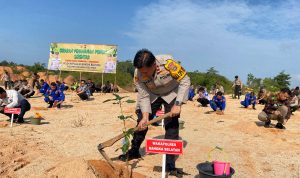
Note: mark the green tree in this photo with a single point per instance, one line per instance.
(212, 71)
(37, 67)
(253, 82)
(250, 79)
(282, 80)
(270, 84)
(125, 67)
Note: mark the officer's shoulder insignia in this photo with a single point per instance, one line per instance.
(175, 69)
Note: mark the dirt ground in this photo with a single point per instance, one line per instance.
(68, 139)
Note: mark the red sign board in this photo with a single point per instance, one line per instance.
(164, 146)
(12, 110)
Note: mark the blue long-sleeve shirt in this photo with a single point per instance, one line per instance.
(220, 102)
(56, 94)
(250, 99)
(44, 87)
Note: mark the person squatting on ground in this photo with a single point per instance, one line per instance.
(276, 108)
(262, 96)
(6, 79)
(83, 91)
(91, 86)
(250, 99)
(237, 86)
(54, 96)
(203, 97)
(35, 80)
(61, 86)
(106, 88)
(218, 103)
(44, 86)
(26, 89)
(160, 81)
(13, 99)
(296, 92)
(191, 93)
(294, 102)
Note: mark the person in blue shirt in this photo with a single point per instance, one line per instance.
(218, 103)
(61, 86)
(44, 86)
(250, 99)
(191, 93)
(54, 96)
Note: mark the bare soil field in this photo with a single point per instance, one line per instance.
(67, 140)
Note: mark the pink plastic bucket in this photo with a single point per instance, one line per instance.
(219, 168)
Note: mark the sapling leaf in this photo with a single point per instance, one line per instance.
(219, 148)
(125, 146)
(122, 117)
(123, 97)
(130, 101)
(117, 149)
(107, 100)
(127, 117)
(130, 131)
(117, 96)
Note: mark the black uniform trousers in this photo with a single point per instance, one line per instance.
(171, 128)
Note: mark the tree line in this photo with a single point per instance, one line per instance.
(125, 73)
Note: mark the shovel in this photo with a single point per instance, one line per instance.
(112, 141)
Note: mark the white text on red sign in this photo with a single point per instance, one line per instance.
(164, 146)
(12, 110)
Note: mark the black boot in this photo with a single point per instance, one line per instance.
(130, 155)
(267, 124)
(50, 104)
(279, 126)
(177, 172)
(20, 120)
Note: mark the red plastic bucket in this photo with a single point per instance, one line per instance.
(221, 168)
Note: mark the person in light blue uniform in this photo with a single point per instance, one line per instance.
(54, 96)
(250, 99)
(218, 102)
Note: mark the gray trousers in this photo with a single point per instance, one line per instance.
(263, 116)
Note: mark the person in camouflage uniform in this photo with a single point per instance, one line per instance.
(276, 108)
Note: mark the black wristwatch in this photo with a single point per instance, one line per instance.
(178, 103)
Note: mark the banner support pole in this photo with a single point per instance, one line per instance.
(59, 78)
(102, 78)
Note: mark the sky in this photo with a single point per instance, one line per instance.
(237, 37)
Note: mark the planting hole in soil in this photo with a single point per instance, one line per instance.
(103, 169)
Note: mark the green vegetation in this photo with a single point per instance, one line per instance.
(281, 80)
(210, 78)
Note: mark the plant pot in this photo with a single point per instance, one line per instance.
(206, 170)
(35, 121)
(221, 168)
(181, 124)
